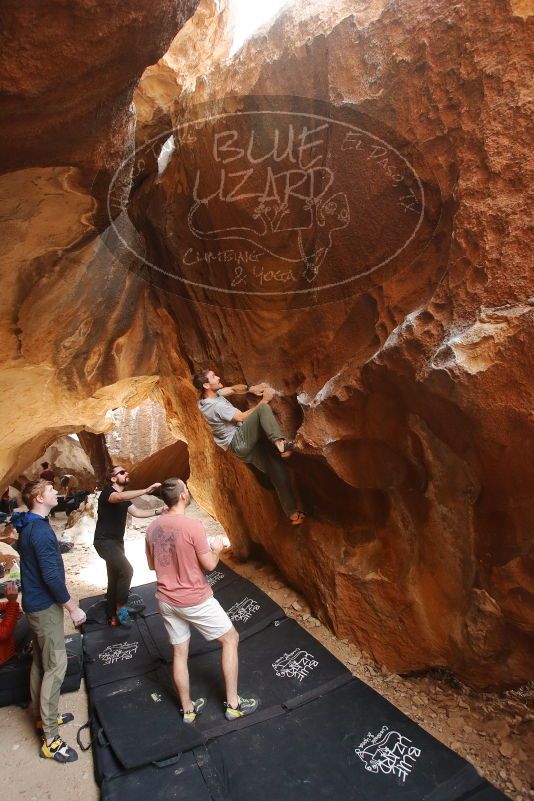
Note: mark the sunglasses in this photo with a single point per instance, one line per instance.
(119, 473)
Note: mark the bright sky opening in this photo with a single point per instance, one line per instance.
(251, 15)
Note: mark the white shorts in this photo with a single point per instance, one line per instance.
(208, 617)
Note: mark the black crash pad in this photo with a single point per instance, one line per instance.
(186, 778)
(112, 653)
(221, 577)
(350, 745)
(15, 674)
(141, 721)
(105, 764)
(283, 665)
(115, 652)
(95, 610)
(249, 608)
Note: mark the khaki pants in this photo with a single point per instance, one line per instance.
(247, 446)
(49, 665)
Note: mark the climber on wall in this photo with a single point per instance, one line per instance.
(240, 432)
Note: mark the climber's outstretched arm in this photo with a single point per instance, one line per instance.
(243, 389)
(236, 389)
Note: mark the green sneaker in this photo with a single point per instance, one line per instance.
(59, 751)
(245, 706)
(198, 707)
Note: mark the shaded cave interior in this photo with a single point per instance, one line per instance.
(407, 396)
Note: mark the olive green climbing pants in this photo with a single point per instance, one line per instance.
(49, 665)
(248, 447)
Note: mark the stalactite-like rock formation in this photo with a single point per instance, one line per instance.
(95, 447)
(409, 394)
(171, 461)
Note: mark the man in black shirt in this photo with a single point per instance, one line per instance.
(114, 503)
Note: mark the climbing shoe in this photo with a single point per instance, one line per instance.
(66, 717)
(297, 518)
(123, 618)
(245, 706)
(58, 750)
(198, 707)
(289, 448)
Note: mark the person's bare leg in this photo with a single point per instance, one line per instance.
(180, 674)
(230, 665)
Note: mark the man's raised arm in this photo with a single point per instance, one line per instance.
(129, 495)
(236, 389)
(134, 511)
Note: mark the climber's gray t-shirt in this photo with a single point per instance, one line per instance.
(219, 413)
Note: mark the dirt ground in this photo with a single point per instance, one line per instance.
(494, 732)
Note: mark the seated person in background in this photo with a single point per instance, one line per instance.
(10, 612)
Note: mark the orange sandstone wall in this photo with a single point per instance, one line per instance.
(409, 396)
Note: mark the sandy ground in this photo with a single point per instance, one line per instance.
(495, 733)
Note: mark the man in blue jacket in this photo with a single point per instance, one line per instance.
(44, 595)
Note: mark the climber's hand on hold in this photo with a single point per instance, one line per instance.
(268, 395)
(258, 389)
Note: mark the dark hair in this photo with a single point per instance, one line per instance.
(171, 489)
(199, 379)
(32, 489)
(44, 464)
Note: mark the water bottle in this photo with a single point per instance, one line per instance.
(14, 573)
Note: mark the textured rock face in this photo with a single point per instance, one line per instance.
(205, 38)
(95, 447)
(169, 462)
(409, 395)
(76, 334)
(67, 85)
(411, 398)
(138, 434)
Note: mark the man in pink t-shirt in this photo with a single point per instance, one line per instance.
(177, 549)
